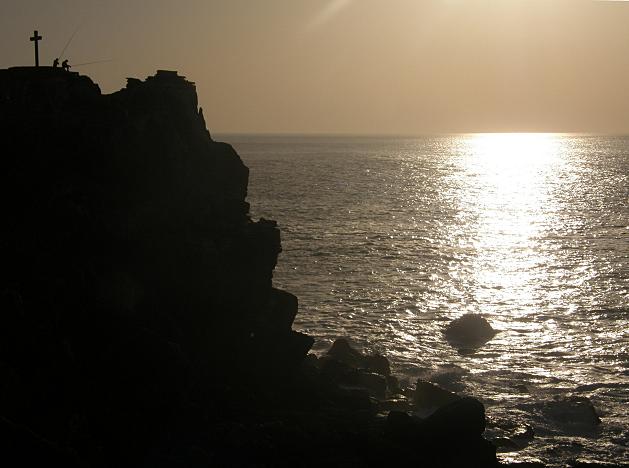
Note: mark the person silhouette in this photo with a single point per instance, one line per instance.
(55, 64)
(65, 65)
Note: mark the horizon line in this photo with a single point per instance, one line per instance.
(410, 135)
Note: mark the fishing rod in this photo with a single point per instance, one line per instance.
(69, 41)
(91, 63)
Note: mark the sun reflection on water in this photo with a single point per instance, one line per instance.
(506, 179)
(396, 237)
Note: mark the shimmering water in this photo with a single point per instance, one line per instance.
(386, 240)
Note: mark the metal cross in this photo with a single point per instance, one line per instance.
(36, 38)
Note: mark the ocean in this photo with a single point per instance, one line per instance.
(386, 240)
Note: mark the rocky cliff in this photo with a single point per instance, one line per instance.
(138, 322)
(131, 272)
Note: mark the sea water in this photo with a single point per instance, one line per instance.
(386, 240)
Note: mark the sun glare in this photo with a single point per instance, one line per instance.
(515, 148)
(507, 177)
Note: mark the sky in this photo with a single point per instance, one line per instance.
(401, 67)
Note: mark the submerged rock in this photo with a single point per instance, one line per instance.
(468, 332)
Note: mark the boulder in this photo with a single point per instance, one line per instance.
(505, 445)
(468, 332)
(397, 403)
(428, 395)
(375, 384)
(463, 418)
(572, 411)
(450, 438)
(342, 374)
(393, 385)
(342, 351)
(400, 421)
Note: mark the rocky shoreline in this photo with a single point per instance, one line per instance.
(140, 325)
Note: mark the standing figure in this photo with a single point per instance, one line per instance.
(65, 65)
(55, 64)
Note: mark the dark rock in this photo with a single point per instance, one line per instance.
(400, 421)
(283, 307)
(20, 447)
(343, 352)
(468, 332)
(274, 354)
(449, 440)
(135, 283)
(334, 370)
(398, 403)
(375, 384)
(504, 444)
(393, 385)
(585, 464)
(378, 364)
(429, 395)
(523, 435)
(463, 418)
(573, 411)
(344, 375)
(352, 400)
(447, 376)
(527, 465)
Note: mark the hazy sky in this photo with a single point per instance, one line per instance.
(354, 66)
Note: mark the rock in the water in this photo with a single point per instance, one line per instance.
(505, 445)
(343, 352)
(375, 384)
(393, 385)
(462, 418)
(398, 403)
(572, 411)
(429, 395)
(349, 367)
(511, 435)
(469, 331)
(452, 437)
(343, 374)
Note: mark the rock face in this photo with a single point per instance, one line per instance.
(131, 273)
(123, 205)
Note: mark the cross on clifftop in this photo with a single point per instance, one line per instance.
(36, 38)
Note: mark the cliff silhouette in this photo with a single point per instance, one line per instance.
(139, 323)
